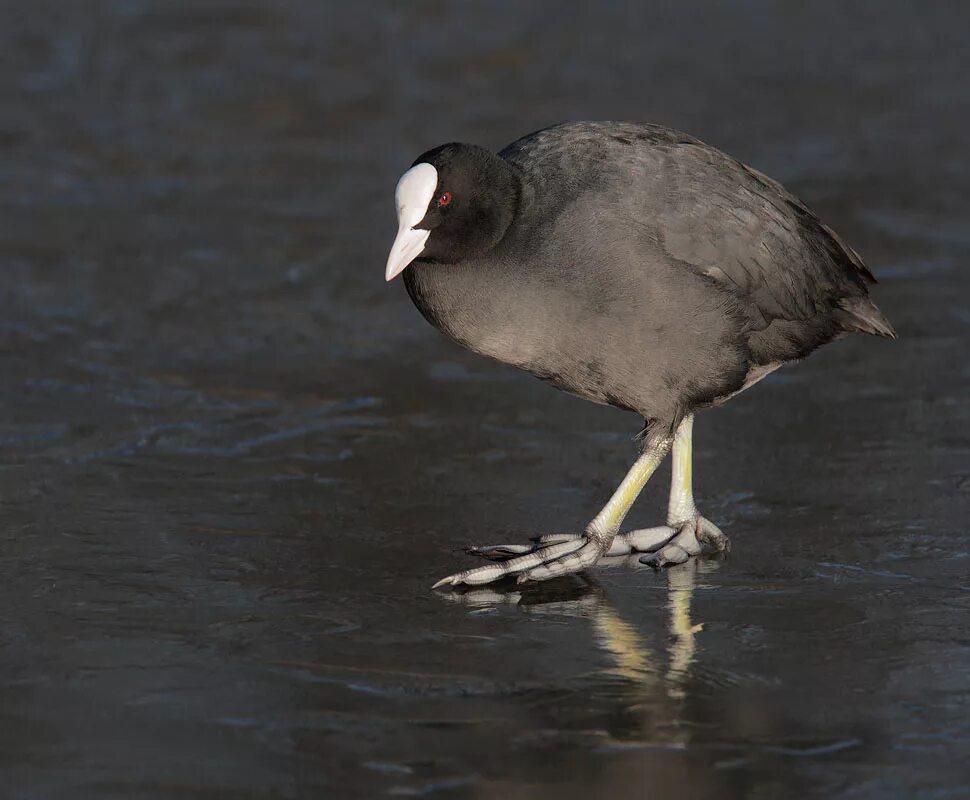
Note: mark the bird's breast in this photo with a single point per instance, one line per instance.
(484, 308)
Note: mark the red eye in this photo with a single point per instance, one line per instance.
(444, 199)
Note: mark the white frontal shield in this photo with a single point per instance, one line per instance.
(413, 195)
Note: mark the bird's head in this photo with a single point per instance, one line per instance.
(455, 202)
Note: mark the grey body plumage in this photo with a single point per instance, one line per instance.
(631, 265)
(647, 270)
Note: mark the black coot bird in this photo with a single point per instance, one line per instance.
(634, 266)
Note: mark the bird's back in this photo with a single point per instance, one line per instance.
(700, 210)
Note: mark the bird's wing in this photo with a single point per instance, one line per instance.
(796, 280)
(790, 274)
(748, 233)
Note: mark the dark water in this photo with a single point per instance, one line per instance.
(234, 460)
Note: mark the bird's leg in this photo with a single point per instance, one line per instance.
(693, 532)
(686, 533)
(574, 553)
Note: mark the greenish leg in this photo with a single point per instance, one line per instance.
(681, 506)
(686, 533)
(574, 553)
(693, 532)
(608, 521)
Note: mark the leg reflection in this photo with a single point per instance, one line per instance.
(584, 597)
(680, 591)
(641, 706)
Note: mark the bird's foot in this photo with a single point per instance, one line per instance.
(560, 554)
(691, 538)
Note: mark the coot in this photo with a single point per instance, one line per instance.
(634, 266)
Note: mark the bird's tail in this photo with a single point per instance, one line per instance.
(862, 315)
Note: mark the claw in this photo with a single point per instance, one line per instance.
(709, 534)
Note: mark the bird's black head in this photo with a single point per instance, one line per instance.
(455, 203)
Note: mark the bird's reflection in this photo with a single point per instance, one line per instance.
(632, 658)
(652, 684)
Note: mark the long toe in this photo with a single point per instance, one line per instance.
(692, 538)
(576, 561)
(677, 550)
(500, 552)
(644, 540)
(540, 564)
(503, 552)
